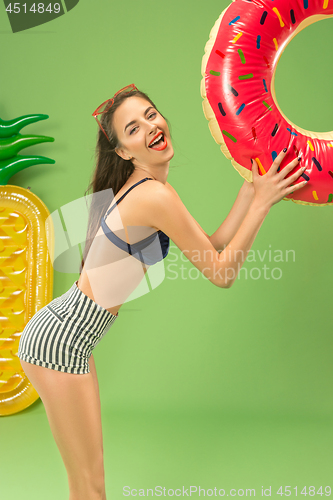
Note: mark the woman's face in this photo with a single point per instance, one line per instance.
(137, 123)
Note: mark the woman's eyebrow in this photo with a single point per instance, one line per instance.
(133, 121)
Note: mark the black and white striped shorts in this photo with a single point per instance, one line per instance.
(63, 334)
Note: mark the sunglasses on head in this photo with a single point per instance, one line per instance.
(105, 106)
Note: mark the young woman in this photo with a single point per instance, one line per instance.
(134, 150)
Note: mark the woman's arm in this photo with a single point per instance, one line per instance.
(164, 209)
(229, 227)
(227, 230)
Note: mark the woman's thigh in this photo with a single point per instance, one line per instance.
(72, 407)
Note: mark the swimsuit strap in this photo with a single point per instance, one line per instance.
(136, 184)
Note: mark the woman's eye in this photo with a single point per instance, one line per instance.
(152, 114)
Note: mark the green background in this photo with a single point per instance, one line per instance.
(202, 386)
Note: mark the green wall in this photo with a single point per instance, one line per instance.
(226, 388)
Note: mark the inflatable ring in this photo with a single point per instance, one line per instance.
(238, 71)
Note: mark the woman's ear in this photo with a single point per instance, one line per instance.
(120, 152)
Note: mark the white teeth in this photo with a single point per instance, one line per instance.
(156, 140)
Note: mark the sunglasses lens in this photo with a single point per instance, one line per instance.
(104, 107)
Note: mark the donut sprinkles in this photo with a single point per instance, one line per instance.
(238, 70)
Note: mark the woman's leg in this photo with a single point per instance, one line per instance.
(92, 368)
(73, 410)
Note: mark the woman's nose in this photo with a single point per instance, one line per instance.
(152, 130)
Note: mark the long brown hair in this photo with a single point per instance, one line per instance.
(111, 170)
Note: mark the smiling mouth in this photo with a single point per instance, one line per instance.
(160, 144)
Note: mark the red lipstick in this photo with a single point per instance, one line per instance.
(161, 146)
(153, 139)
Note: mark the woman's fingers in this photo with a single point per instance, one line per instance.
(293, 177)
(276, 163)
(291, 189)
(288, 168)
(255, 172)
(274, 186)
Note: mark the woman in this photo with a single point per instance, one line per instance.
(134, 146)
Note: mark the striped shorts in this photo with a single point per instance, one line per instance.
(63, 334)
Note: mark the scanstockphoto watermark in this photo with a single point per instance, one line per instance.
(263, 491)
(239, 264)
(188, 491)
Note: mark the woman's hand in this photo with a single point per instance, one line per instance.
(273, 186)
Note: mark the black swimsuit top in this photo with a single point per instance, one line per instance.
(150, 250)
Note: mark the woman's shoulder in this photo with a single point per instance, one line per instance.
(158, 187)
(158, 199)
(155, 188)
(134, 209)
(172, 189)
(144, 186)
(149, 197)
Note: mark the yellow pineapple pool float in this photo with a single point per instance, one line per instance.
(26, 273)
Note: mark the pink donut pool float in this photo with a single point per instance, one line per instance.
(239, 101)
